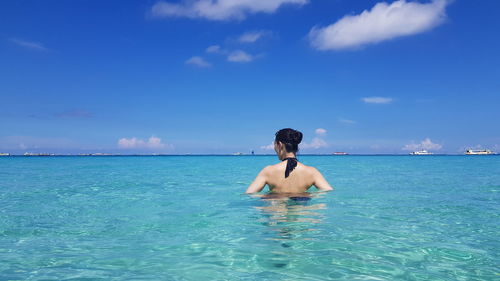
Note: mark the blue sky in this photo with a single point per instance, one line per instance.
(222, 76)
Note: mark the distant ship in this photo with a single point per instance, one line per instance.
(4, 154)
(238, 153)
(478, 152)
(421, 152)
(340, 153)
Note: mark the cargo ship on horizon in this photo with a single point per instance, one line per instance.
(478, 152)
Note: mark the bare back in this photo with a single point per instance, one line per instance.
(299, 180)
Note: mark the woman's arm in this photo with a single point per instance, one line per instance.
(319, 181)
(258, 183)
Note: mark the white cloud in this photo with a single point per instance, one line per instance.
(426, 144)
(377, 100)
(154, 142)
(320, 132)
(383, 22)
(314, 144)
(347, 121)
(317, 142)
(28, 44)
(219, 9)
(198, 61)
(268, 147)
(130, 143)
(240, 56)
(251, 36)
(214, 49)
(134, 143)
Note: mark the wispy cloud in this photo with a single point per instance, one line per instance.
(28, 44)
(320, 132)
(135, 143)
(377, 100)
(236, 55)
(383, 22)
(214, 49)
(426, 144)
(347, 121)
(252, 36)
(219, 9)
(316, 142)
(240, 56)
(198, 61)
(268, 147)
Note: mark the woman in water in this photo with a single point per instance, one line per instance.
(289, 176)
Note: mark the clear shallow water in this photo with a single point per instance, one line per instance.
(185, 218)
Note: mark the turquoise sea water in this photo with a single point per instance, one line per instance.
(185, 218)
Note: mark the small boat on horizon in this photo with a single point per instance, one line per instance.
(4, 154)
(340, 153)
(421, 152)
(478, 152)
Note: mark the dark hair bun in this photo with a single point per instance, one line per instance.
(295, 137)
(290, 137)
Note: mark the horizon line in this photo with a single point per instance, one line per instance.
(223, 154)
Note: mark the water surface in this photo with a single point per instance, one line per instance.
(185, 218)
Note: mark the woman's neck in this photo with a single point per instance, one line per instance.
(287, 155)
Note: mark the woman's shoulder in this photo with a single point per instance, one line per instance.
(274, 166)
(308, 169)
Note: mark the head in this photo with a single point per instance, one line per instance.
(287, 141)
